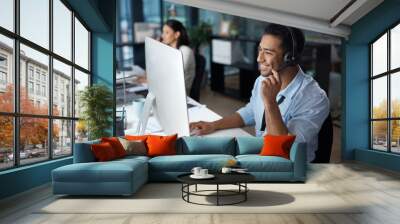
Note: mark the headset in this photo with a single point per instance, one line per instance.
(290, 58)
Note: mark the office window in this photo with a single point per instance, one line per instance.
(35, 21)
(40, 62)
(6, 142)
(44, 132)
(6, 73)
(151, 11)
(395, 47)
(63, 73)
(81, 82)
(62, 29)
(81, 45)
(7, 14)
(33, 140)
(178, 12)
(385, 92)
(62, 137)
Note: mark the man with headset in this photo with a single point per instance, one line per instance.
(284, 100)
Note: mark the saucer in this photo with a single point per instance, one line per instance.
(208, 176)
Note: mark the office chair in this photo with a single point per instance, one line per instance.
(198, 78)
(325, 139)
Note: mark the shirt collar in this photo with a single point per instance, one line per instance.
(293, 86)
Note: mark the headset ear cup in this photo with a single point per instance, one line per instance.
(288, 58)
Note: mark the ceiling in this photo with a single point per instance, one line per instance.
(323, 11)
(333, 17)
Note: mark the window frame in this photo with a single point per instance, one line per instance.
(16, 114)
(388, 74)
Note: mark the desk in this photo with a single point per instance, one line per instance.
(202, 113)
(198, 112)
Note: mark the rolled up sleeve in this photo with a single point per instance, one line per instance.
(308, 117)
(247, 112)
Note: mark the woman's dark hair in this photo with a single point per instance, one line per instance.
(284, 34)
(177, 26)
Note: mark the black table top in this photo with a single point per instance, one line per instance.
(220, 178)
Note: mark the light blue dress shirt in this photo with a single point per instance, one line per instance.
(303, 110)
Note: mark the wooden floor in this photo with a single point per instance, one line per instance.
(378, 189)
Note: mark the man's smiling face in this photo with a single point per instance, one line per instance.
(270, 54)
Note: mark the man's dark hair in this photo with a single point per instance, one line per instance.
(283, 33)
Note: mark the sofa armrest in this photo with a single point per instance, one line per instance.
(83, 152)
(298, 155)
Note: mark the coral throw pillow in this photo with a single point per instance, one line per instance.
(161, 145)
(116, 145)
(103, 152)
(277, 145)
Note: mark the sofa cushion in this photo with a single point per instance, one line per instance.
(185, 163)
(112, 171)
(206, 145)
(257, 163)
(132, 158)
(249, 145)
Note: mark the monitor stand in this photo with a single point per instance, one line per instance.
(149, 104)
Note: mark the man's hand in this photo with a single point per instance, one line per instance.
(270, 88)
(202, 127)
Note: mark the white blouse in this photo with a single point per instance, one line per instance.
(189, 66)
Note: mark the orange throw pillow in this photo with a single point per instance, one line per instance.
(161, 145)
(103, 152)
(277, 145)
(136, 137)
(116, 145)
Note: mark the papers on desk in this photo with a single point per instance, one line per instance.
(138, 88)
(153, 127)
(133, 70)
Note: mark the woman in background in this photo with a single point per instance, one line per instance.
(174, 34)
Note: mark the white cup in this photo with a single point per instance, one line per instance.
(226, 170)
(196, 171)
(203, 172)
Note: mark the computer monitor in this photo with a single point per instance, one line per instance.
(167, 93)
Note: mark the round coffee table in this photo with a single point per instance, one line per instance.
(238, 179)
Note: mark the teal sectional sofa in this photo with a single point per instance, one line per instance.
(125, 176)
